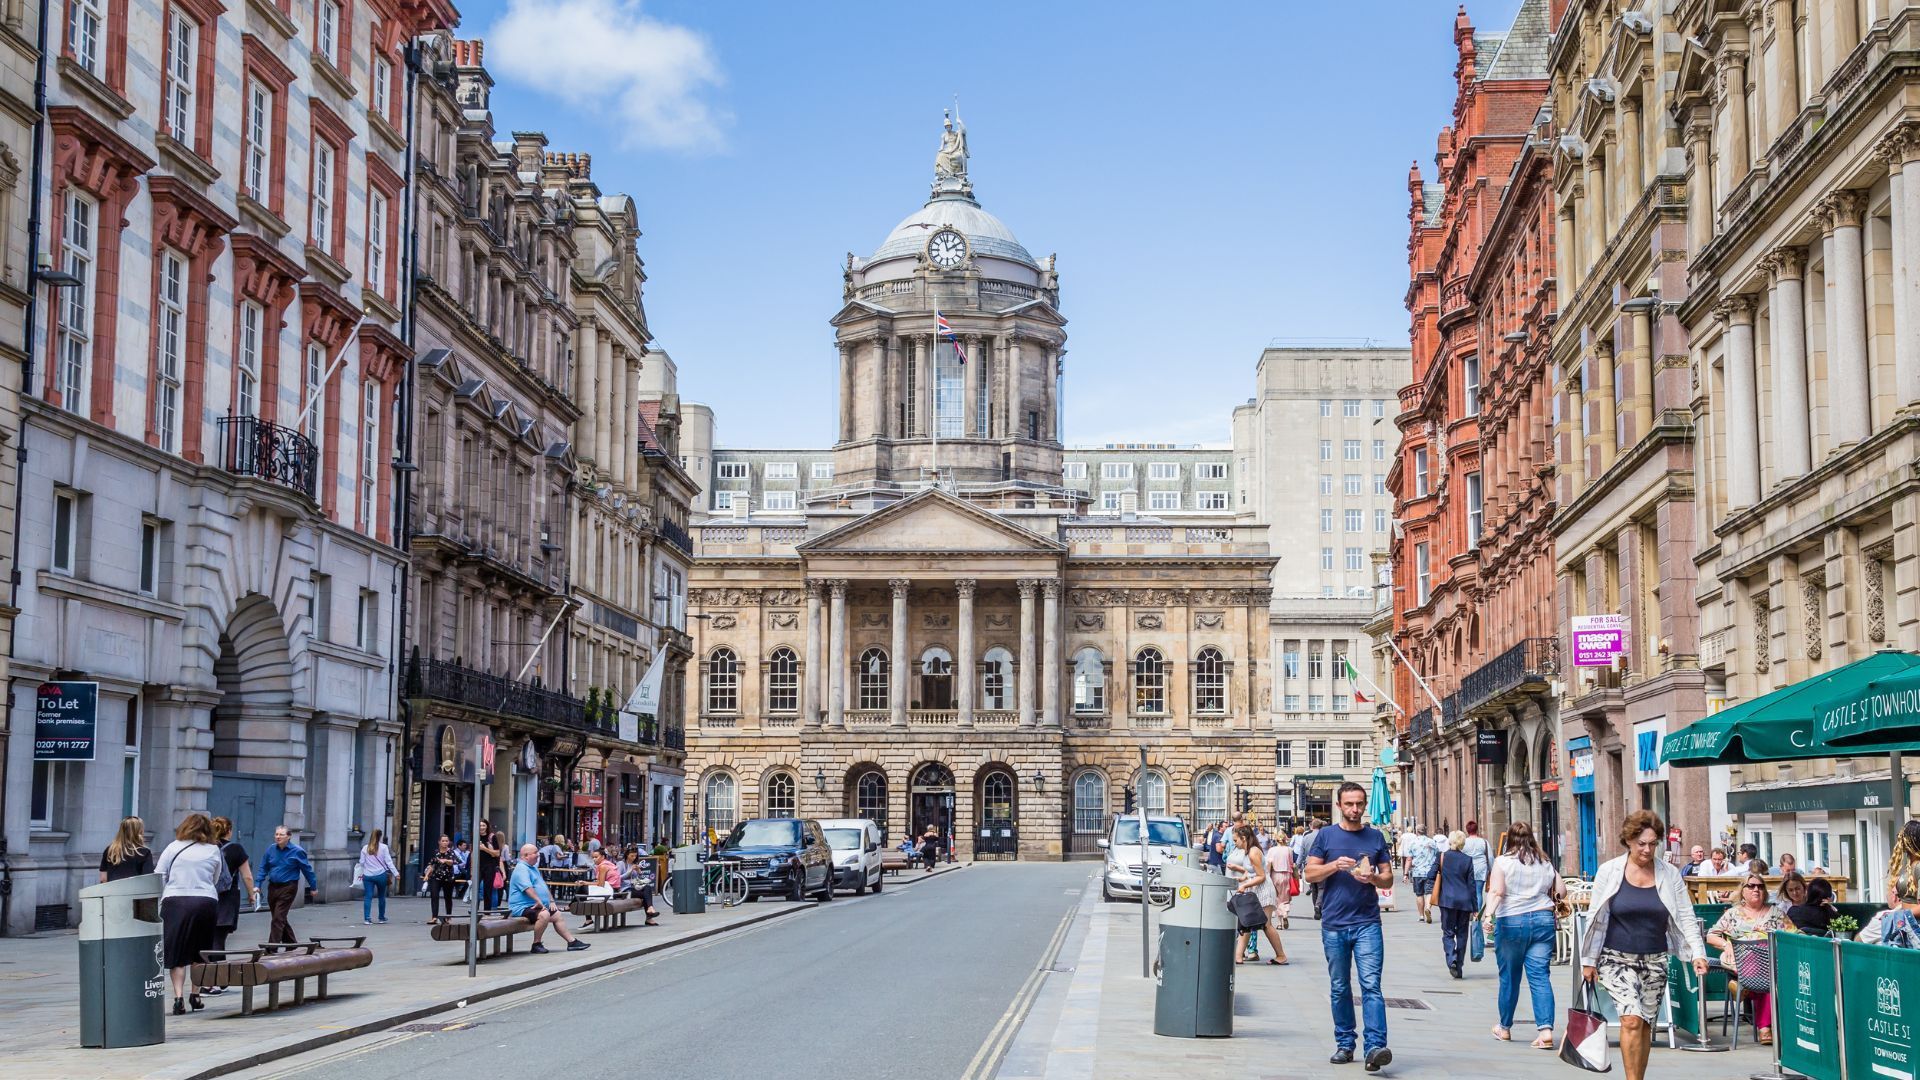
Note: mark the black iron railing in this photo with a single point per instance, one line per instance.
(448, 681)
(1421, 725)
(1450, 710)
(1532, 661)
(676, 738)
(250, 446)
(675, 535)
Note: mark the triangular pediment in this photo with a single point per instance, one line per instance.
(931, 521)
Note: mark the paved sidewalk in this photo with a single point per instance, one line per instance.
(1095, 1018)
(412, 978)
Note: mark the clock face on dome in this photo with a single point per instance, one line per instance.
(947, 249)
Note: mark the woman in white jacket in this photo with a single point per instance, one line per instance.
(1641, 913)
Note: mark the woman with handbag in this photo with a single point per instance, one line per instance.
(227, 908)
(193, 876)
(1750, 916)
(1285, 885)
(1524, 896)
(1641, 914)
(1456, 899)
(377, 872)
(1248, 863)
(486, 863)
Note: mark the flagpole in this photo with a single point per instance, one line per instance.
(1411, 670)
(1384, 696)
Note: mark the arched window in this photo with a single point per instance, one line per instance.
(720, 803)
(723, 682)
(1089, 681)
(996, 680)
(873, 680)
(1149, 682)
(1152, 792)
(936, 679)
(780, 800)
(1209, 798)
(996, 799)
(783, 681)
(870, 797)
(1089, 803)
(1210, 681)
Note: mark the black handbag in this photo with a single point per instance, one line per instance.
(1246, 908)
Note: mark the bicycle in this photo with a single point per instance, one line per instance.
(724, 883)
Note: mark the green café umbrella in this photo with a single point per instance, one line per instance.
(1781, 726)
(1879, 714)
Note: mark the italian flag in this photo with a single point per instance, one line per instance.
(1353, 680)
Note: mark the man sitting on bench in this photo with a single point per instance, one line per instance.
(528, 897)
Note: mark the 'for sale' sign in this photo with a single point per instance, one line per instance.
(1597, 639)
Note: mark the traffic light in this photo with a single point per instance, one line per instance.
(1246, 800)
(1129, 808)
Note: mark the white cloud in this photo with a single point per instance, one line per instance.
(608, 57)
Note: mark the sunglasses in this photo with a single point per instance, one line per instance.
(1756, 885)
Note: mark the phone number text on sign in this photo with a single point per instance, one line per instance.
(1597, 639)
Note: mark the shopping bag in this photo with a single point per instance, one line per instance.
(1585, 1044)
(1476, 941)
(1293, 885)
(1247, 910)
(354, 883)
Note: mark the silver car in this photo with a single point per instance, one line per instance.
(1166, 842)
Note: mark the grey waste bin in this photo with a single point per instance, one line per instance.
(1194, 998)
(123, 983)
(685, 874)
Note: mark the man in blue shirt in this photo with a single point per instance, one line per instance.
(1351, 861)
(529, 898)
(281, 869)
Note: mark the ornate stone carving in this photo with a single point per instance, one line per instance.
(1786, 263)
(1813, 600)
(1149, 620)
(724, 597)
(837, 587)
(726, 620)
(783, 620)
(936, 620)
(1762, 635)
(899, 586)
(782, 597)
(999, 620)
(1050, 588)
(1737, 308)
(1209, 620)
(873, 620)
(963, 587)
(1876, 559)
(1027, 587)
(1089, 620)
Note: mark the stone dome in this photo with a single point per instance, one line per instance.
(988, 235)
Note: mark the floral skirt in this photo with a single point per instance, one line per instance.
(1637, 982)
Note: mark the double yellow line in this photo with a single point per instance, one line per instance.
(987, 1058)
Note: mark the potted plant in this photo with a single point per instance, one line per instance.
(1843, 927)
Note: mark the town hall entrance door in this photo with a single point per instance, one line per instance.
(996, 836)
(930, 801)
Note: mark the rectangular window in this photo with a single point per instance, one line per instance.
(320, 219)
(723, 500)
(1163, 500)
(1350, 754)
(1379, 449)
(1316, 663)
(1109, 500)
(1420, 473)
(170, 343)
(86, 34)
(176, 91)
(1379, 409)
(1326, 483)
(149, 556)
(48, 777)
(1116, 470)
(823, 470)
(1379, 483)
(1283, 750)
(780, 470)
(1316, 753)
(377, 241)
(1326, 521)
(1326, 558)
(74, 352)
(1163, 470)
(1356, 559)
(1326, 449)
(130, 761)
(369, 452)
(731, 470)
(1470, 385)
(320, 607)
(1074, 470)
(258, 167)
(1210, 470)
(66, 532)
(381, 76)
(1381, 521)
(1423, 579)
(1317, 703)
(326, 31)
(1473, 506)
(1350, 450)
(1356, 520)
(1350, 484)
(1326, 406)
(311, 404)
(366, 621)
(1210, 500)
(1350, 408)
(246, 388)
(777, 500)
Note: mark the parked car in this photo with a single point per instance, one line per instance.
(856, 853)
(1166, 842)
(782, 857)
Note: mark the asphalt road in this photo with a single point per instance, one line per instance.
(909, 983)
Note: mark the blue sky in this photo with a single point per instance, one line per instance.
(1209, 182)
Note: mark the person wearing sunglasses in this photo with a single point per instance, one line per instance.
(1753, 915)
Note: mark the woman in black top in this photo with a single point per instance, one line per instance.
(1815, 914)
(226, 912)
(1454, 894)
(128, 855)
(930, 847)
(439, 879)
(487, 859)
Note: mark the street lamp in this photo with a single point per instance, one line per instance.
(1039, 780)
(820, 781)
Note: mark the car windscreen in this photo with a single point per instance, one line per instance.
(1172, 833)
(764, 834)
(844, 839)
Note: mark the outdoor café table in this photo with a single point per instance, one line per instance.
(1720, 889)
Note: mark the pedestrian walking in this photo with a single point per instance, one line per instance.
(442, 866)
(930, 847)
(377, 873)
(1519, 905)
(1351, 862)
(1476, 848)
(227, 908)
(192, 874)
(280, 870)
(494, 872)
(1285, 883)
(1217, 846)
(1248, 865)
(1422, 863)
(1641, 914)
(1456, 900)
(529, 898)
(128, 855)
(1314, 891)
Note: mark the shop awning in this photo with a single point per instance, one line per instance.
(1880, 713)
(1781, 726)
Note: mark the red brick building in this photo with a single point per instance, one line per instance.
(1472, 561)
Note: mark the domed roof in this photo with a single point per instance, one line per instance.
(988, 235)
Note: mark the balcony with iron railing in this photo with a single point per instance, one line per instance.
(1421, 725)
(263, 450)
(1526, 668)
(445, 680)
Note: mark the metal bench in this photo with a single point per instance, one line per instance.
(269, 965)
(607, 912)
(495, 927)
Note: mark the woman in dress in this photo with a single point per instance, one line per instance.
(377, 872)
(1280, 868)
(1641, 914)
(930, 847)
(1519, 913)
(1456, 898)
(191, 868)
(1753, 915)
(1248, 864)
(128, 855)
(239, 876)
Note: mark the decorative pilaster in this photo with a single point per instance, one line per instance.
(811, 707)
(1050, 707)
(964, 671)
(897, 670)
(837, 649)
(1743, 403)
(1025, 683)
(1792, 444)
(1850, 416)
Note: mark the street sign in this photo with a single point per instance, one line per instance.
(1597, 639)
(1490, 746)
(66, 721)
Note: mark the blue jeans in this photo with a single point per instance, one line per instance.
(1525, 942)
(1361, 947)
(373, 885)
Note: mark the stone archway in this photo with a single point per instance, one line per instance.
(259, 758)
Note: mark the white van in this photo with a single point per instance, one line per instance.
(856, 853)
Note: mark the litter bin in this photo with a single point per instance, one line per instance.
(1194, 997)
(123, 983)
(686, 881)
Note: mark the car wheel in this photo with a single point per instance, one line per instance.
(799, 890)
(751, 897)
(879, 881)
(1106, 894)
(861, 889)
(826, 887)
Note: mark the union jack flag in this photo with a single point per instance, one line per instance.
(946, 333)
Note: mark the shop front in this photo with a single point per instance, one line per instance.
(1845, 827)
(1586, 816)
(588, 789)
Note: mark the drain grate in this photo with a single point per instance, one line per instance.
(1408, 1003)
(457, 1025)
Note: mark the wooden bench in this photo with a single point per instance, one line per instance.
(269, 965)
(893, 861)
(607, 912)
(495, 927)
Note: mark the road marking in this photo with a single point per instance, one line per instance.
(987, 1058)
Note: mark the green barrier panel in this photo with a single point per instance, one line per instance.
(1881, 991)
(1807, 1011)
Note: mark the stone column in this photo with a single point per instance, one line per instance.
(1849, 415)
(1700, 190)
(1733, 93)
(845, 428)
(1024, 677)
(1645, 361)
(1792, 448)
(1564, 257)
(1016, 424)
(968, 395)
(1050, 687)
(1596, 207)
(929, 393)
(837, 654)
(1631, 132)
(1599, 401)
(964, 673)
(1783, 73)
(602, 433)
(897, 670)
(882, 388)
(585, 349)
(1742, 408)
(623, 418)
(1902, 151)
(812, 682)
